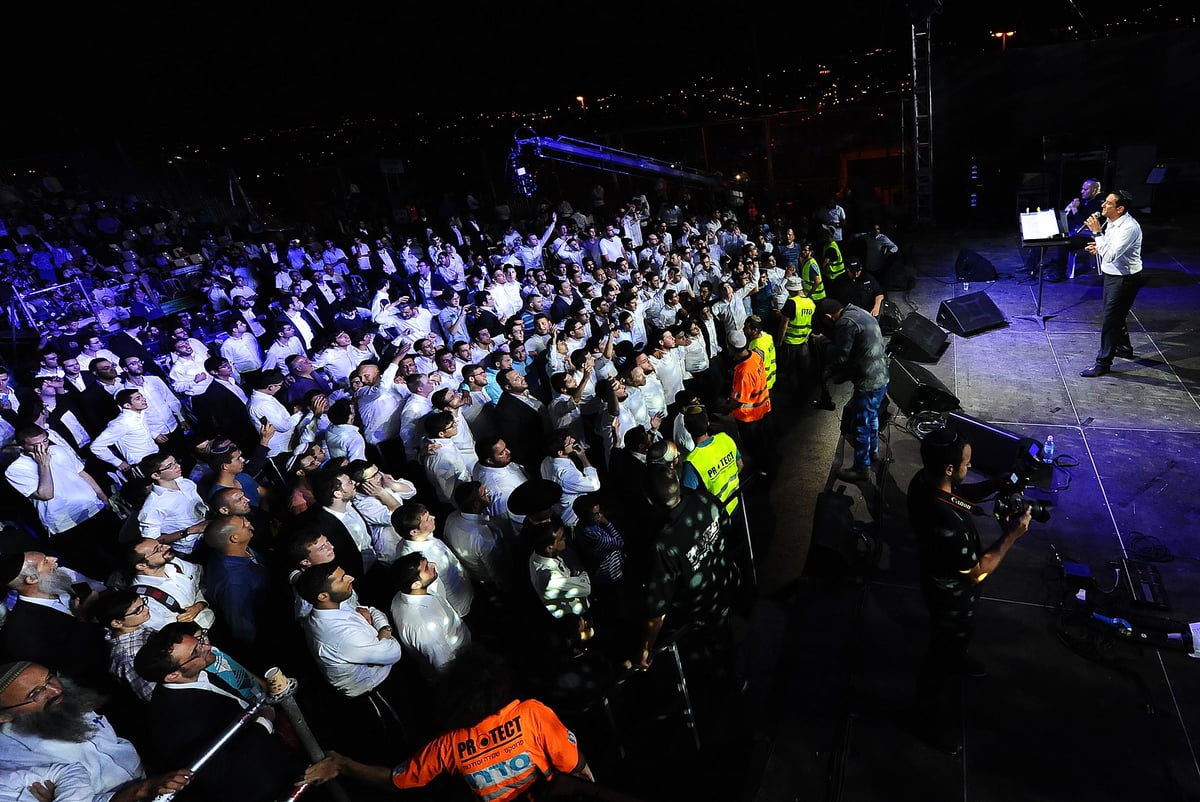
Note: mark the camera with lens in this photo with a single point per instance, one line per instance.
(1015, 503)
(1012, 500)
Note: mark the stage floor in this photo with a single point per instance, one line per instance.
(1068, 711)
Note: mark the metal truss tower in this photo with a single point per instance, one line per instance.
(922, 127)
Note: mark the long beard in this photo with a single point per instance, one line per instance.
(68, 719)
(56, 583)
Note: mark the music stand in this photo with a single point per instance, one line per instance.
(1041, 229)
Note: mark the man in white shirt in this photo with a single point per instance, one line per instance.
(241, 347)
(497, 472)
(611, 247)
(80, 756)
(354, 645)
(188, 376)
(127, 438)
(173, 588)
(263, 404)
(173, 513)
(430, 629)
(444, 465)
(94, 349)
(343, 439)
(163, 409)
(415, 524)
(567, 466)
(475, 539)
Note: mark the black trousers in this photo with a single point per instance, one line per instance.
(91, 547)
(1119, 294)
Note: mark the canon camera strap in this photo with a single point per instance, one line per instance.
(958, 503)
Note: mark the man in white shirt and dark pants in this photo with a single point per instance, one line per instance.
(1119, 246)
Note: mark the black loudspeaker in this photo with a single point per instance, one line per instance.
(970, 266)
(919, 338)
(970, 314)
(995, 451)
(840, 545)
(915, 389)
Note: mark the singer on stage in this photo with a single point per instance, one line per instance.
(1119, 246)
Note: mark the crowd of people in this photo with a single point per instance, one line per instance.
(369, 454)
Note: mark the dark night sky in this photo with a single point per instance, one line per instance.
(114, 68)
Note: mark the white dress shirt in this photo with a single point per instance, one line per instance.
(452, 577)
(501, 482)
(243, 352)
(264, 405)
(163, 410)
(445, 469)
(170, 510)
(429, 629)
(351, 654)
(345, 440)
(183, 376)
(574, 482)
(183, 583)
(74, 500)
(478, 545)
(130, 433)
(384, 538)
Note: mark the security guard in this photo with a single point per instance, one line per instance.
(810, 273)
(750, 403)
(762, 344)
(714, 463)
(800, 357)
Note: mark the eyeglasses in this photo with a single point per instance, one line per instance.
(201, 641)
(36, 693)
(139, 609)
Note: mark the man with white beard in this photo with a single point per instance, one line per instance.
(53, 744)
(48, 623)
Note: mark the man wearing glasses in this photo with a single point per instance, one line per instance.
(174, 513)
(171, 587)
(53, 745)
(192, 706)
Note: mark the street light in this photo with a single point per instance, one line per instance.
(582, 105)
(1003, 37)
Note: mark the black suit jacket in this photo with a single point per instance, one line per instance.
(57, 640)
(219, 411)
(523, 430)
(182, 722)
(95, 408)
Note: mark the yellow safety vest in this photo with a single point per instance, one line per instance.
(764, 346)
(837, 265)
(810, 273)
(716, 462)
(800, 326)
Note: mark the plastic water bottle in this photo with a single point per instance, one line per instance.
(1048, 449)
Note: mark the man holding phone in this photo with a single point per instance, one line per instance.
(70, 504)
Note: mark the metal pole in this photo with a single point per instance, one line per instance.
(225, 737)
(284, 689)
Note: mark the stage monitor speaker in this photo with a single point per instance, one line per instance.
(970, 314)
(919, 338)
(915, 389)
(970, 266)
(994, 451)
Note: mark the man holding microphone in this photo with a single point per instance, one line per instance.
(1119, 246)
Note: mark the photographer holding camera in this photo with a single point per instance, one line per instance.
(941, 509)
